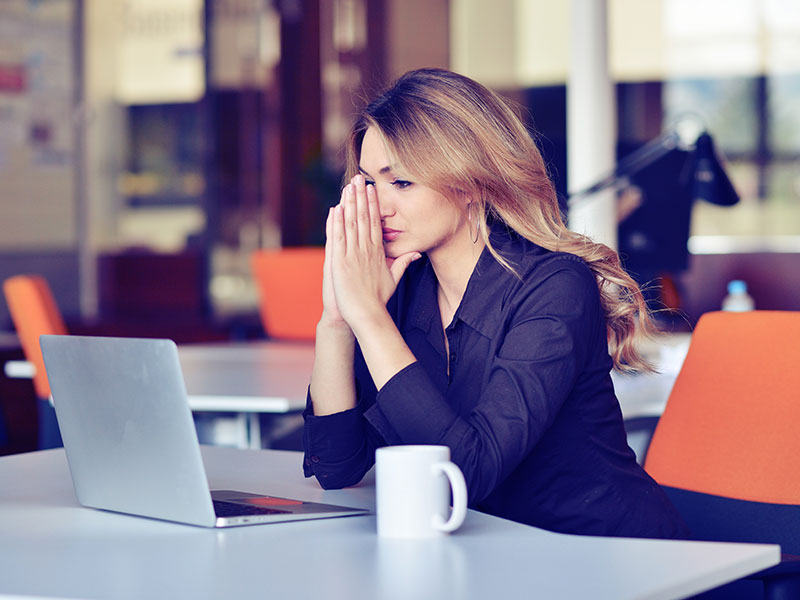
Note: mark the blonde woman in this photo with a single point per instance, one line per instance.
(459, 310)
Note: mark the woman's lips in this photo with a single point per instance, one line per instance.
(389, 235)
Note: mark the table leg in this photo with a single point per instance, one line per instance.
(253, 431)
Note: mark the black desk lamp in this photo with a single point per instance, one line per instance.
(665, 176)
(710, 182)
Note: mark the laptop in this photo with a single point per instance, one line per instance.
(130, 439)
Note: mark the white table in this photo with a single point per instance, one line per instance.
(267, 377)
(645, 394)
(272, 376)
(246, 379)
(252, 378)
(53, 547)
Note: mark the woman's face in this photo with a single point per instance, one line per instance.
(414, 217)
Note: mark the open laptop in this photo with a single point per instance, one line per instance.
(130, 438)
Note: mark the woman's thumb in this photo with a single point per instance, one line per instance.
(401, 263)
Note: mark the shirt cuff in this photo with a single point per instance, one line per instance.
(330, 440)
(334, 436)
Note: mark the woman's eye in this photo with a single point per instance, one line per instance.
(401, 183)
(369, 182)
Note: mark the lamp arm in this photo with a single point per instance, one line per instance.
(630, 164)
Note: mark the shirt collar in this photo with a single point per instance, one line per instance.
(482, 304)
(424, 306)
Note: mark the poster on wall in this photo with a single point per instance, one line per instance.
(160, 53)
(37, 126)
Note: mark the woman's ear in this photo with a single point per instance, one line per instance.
(461, 198)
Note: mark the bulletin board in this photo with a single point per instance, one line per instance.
(38, 117)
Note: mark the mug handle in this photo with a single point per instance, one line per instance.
(459, 487)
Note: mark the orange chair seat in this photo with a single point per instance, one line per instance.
(289, 282)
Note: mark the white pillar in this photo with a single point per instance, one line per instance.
(103, 120)
(591, 121)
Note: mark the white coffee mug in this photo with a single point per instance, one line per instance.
(413, 485)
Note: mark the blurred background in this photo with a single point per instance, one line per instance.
(148, 147)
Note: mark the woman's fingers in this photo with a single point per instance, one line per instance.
(338, 239)
(328, 230)
(357, 224)
(328, 296)
(368, 215)
(375, 228)
(350, 219)
(362, 211)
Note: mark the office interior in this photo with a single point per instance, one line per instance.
(148, 148)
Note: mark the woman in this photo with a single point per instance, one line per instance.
(459, 310)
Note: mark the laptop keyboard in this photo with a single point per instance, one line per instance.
(232, 509)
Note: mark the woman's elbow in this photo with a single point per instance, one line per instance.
(337, 481)
(482, 475)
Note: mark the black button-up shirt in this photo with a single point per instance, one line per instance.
(527, 405)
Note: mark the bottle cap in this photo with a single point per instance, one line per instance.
(737, 286)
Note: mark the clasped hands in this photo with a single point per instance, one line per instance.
(358, 277)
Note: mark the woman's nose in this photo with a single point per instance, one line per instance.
(384, 205)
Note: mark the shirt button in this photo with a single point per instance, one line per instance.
(315, 459)
(453, 357)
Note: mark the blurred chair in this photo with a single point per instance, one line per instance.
(727, 448)
(289, 282)
(34, 312)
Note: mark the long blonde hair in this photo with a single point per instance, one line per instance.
(460, 138)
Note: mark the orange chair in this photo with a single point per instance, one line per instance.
(289, 282)
(34, 312)
(727, 448)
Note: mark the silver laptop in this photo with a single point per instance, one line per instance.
(130, 438)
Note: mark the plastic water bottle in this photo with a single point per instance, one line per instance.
(738, 300)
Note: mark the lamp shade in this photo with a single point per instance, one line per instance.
(711, 183)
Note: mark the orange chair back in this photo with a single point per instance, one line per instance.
(34, 312)
(731, 426)
(289, 282)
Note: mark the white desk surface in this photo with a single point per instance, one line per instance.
(53, 547)
(646, 394)
(250, 377)
(272, 376)
(247, 377)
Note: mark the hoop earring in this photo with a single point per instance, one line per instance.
(471, 220)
